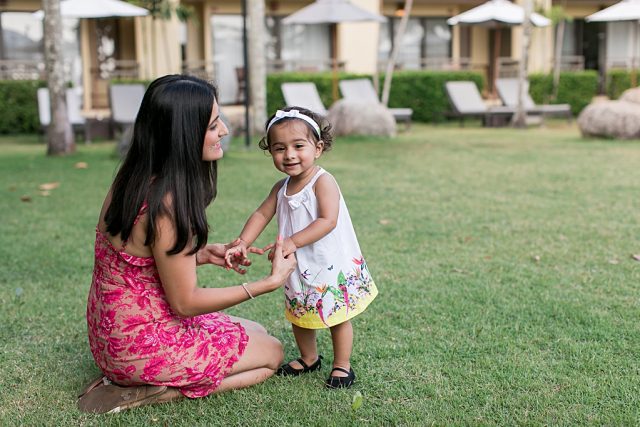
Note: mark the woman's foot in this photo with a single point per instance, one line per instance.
(343, 379)
(103, 396)
(288, 370)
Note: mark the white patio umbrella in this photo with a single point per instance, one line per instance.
(497, 13)
(97, 9)
(332, 12)
(626, 10)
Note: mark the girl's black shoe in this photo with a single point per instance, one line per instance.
(341, 382)
(288, 370)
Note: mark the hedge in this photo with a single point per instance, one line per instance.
(423, 91)
(618, 81)
(19, 106)
(576, 88)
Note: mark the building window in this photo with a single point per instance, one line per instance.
(426, 41)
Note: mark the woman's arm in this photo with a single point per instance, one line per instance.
(179, 279)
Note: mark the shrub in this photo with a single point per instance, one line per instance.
(617, 82)
(19, 107)
(576, 88)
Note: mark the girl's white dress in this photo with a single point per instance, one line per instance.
(332, 282)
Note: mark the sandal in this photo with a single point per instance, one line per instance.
(341, 382)
(288, 370)
(103, 396)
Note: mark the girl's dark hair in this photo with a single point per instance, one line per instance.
(164, 163)
(325, 128)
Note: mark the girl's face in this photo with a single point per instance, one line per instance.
(293, 148)
(216, 130)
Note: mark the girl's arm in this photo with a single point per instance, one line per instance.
(259, 220)
(255, 225)
(328, 197)
(179, 279)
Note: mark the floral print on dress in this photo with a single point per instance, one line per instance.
(135, 338)
(347, 291)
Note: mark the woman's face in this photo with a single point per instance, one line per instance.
(216, 130)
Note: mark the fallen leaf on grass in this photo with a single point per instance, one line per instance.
(81, 165)
(636, 257)
(47, 186)
(45, 193)
(25, 198)
(384, 222)
(614, 261)
(357, 401)
(536, 258)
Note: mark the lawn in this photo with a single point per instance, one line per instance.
(508, 290)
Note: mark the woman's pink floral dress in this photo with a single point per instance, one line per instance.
(135, 338)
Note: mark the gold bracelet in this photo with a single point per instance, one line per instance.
(244, 286)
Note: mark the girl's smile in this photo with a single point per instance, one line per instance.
(293, 149)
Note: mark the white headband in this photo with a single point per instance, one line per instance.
(296, 115)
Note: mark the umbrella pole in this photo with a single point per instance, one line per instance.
(334, 62)
(634, 55)
(496, 47)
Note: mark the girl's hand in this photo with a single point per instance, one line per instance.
(288, 247)
(236, 252)
(215, 253)
(281, 266)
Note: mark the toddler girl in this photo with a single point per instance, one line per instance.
(332, 283)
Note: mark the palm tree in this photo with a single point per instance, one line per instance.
(520, 116)
(60, 138)
(257, 67)
(393, 57)
(558, 17)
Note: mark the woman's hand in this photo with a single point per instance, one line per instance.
(215, 253)
(288, 247)
(281, 266)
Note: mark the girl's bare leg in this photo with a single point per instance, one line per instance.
(306, 340)
(262, 356)
(342, 338)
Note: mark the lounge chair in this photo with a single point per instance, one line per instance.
(507, 89)
(466, 101)
(74, 110)
(303, 94)
(363, 90)
(125, 100)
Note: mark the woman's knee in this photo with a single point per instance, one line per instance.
(263, 351)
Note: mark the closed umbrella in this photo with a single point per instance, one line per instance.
(626, 10)
(332, 12)
(497, 13)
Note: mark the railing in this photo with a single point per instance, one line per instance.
(20, 69)
(572, 63)
(200, 68)
(276, 65)
(434, 63)
(627, 63)
(117, 69)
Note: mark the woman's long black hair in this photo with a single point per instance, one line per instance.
(164, 164)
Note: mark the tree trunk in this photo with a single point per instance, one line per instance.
(397, 42)
(558, 57)
(257, 65)
(60, 138)
(520, 116)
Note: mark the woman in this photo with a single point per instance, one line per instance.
(150, 325)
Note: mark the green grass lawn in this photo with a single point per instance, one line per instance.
(508, 291)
